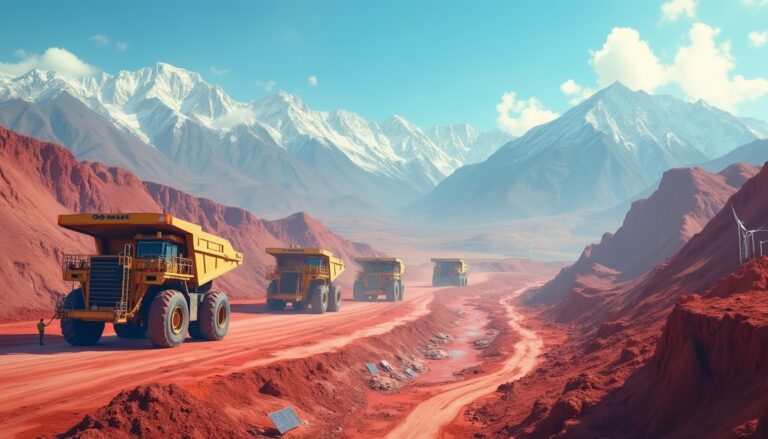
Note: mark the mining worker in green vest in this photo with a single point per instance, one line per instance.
(41, 329)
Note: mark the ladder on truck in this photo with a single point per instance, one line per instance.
(126, 261)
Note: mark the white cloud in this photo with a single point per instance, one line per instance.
(266, 85)
(756, 3)
(219, 72)
(758, 39)
(121, 46)
(674, 9)
(100, 40)
(54, 58)
(625, 57)
(518, 116)
(703, 71)
(312, 80)
(577, 92)
(236, 117)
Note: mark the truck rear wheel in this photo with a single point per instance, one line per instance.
(130, 330)
(334, 298)
(319, 298)
(79, 332)
(212, 317)
(168, 319)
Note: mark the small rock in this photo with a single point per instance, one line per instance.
(382, 383)
(436, 354)
(482, 343)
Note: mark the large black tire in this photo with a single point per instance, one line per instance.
(130, 330)
(357, 291)
(300, 306)
(334, 298)
(319, 298)
(168, 321)
(274, 304)
(391, 289)
(79, 332)
(402, 290)
(213, 316)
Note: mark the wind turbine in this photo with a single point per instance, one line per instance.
(747, 239)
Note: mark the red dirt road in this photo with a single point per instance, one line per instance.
(430, 416)
(49, 388)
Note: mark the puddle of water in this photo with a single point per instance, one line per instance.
(457, 353)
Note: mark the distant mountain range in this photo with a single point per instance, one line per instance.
(275, 155)
(601, 152)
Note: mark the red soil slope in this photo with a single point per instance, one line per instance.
(654, 229)
(40, 180)
(709, 374)
(646, 363)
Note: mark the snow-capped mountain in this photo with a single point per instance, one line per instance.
(466, 143)
(603, 151)
(183, 116)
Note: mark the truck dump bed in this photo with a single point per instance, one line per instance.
(335, 265)
(398, 261)
(463, 267)
(212, 256)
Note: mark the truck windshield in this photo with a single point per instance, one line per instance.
(314, 261)
(156, 249)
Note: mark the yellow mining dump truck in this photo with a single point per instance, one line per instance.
(305, 277)
(152, 276)
(449, 272)
(379, 276)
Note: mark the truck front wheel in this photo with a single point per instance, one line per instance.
(357, 291)
(168, 319)
(319, 299)
(130, 330)
(79, 332)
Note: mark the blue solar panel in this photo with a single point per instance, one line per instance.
(284, 419)
(410, 372)
(372, 368)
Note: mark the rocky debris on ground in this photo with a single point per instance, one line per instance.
(382, 383)
(484, 342)
(435, 354)
(442, 337)
(459, 312)
(398, 376)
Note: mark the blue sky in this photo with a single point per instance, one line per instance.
(434, 62)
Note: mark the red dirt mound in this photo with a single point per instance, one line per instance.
(40, 180)
(157, 410)
(707, 378)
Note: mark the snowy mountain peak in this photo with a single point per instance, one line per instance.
(160, 103)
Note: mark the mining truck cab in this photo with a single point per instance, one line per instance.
(449, 272)
(304, 277)
(151, 276)
(379, 276)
